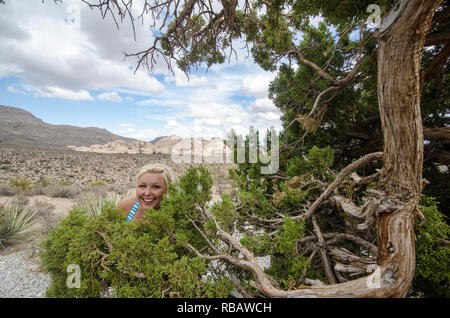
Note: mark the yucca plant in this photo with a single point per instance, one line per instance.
(15, 222)
(93, 201)
(22, 183)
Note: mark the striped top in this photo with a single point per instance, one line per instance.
(133, 211)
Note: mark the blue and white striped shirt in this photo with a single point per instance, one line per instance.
(133, 211)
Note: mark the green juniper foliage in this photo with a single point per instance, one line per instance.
(432, 274)
(305, 177)
(142, 259)
(151, 258)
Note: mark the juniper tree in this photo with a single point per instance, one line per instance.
(297, 214)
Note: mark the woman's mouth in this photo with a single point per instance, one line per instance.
(148, 200)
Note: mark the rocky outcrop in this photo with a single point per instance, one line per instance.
(173, 145)
(119, 146)
(165, 144)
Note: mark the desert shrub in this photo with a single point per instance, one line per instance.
(44, 211)
(97, 183)
(119, 188)
(8, 191)
(62, 191)
(20, 199)
(136, 259)
(15, 222)
(97, 186)
(41, 187)
(39, 190)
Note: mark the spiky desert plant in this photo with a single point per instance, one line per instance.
(93, 201)
(15, 222)
(22, 183)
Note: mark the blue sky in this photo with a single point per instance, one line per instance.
(64, 64)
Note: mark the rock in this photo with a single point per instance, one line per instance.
(196, 146)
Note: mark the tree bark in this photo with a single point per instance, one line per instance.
(399, 55)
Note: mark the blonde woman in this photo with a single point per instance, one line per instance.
(152, 181)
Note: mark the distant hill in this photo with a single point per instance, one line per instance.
(154, 141)
(20, 126)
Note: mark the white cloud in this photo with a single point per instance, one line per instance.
(47, 51)
(110, 96)
(262, 105)
(268, 116)
(216, 114)
(54, 58)
(208, 122)
(58, 92)
(256, 86)
(16, 90)
(147, 102)
(172, 124)
(147, 134)
(181, 79)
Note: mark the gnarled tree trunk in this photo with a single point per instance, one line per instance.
(401, 41)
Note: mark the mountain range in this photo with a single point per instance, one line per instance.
(18, 126)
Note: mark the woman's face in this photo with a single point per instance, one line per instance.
(150, 190)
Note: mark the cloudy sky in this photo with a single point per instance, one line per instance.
(65, 64)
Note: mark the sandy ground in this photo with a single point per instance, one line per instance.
(62, 206)
(55, 210)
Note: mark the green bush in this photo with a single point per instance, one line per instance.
(137, 259)
(432, 275)
(15, 222)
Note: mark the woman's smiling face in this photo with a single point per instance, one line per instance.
(150, 190)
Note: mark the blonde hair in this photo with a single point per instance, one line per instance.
(160, 168)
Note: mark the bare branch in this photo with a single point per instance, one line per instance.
(323, 252)
(344, 172)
